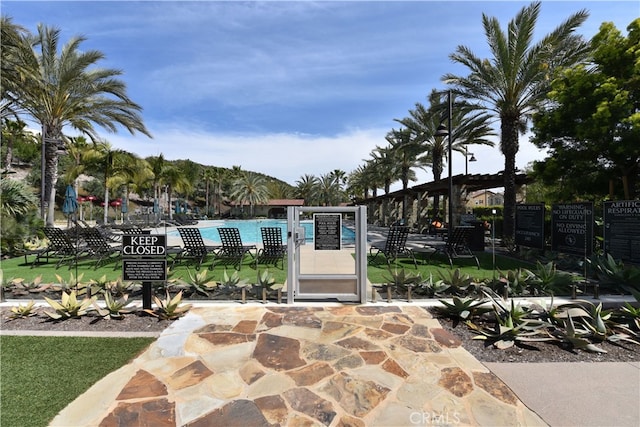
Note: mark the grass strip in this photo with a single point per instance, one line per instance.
(15, 268)
(40, 376)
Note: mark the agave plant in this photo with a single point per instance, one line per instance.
(170, 308)
(458, 282)
(513, 323)
(267, 283)
(231, 284)
(21, 310)
(514, 282)
(98, 285)
(516, 312)
(577, 338)
(431, 288)
(615, 275)
(114, 308)
(546, 312)
(631, 314)
(597, 323)
(461, 308)
(118, 288)
(202, 282)
(69, 306)
(400, 279)
(73, 282)
(21, 287)
(506, 332)
(547, 279)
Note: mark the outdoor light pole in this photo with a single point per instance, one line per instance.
(446, 131)
(467, 160)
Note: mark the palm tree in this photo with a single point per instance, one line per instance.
(408, 153)
(251, 189)
(142, 180)
(208, 177)
(14, 131)
(177, 180)
(12, 74)
(514, 82)
(339, 176)
(219, 178)
(77, 148)
(329, 191)
(17, 209)
(157, 165)
(307, 189)
(357, 184)
(116, 166)
(469, 127)
(61, 90)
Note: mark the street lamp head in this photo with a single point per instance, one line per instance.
(442, 130)
(472, 158)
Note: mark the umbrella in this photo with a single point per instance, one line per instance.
(70, 204)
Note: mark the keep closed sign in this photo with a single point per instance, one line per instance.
(147, 257)
(144, 245)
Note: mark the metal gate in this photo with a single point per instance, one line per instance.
(321, 265)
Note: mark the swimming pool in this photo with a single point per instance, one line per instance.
(250, 230)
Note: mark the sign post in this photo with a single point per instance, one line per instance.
(146, 261)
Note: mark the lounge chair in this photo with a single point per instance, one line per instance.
(394, 247)
(458, 246)
(273, 250)
(194, 247)
(233, 250)
(61, 246)
(100, 249)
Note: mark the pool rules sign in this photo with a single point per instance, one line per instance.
(144, 257)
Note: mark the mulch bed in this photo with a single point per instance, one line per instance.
(537, 352)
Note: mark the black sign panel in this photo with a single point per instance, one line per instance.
(144, 245)
(145, 270)
(530, 225)
(622, 230)
(149, 253)
(572, 228)
(327, 232)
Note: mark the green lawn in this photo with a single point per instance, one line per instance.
(16, 268)
(439, 263)
(40, 376)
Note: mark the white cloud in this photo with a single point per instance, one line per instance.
(283, 156)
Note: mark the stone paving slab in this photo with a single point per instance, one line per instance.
(322, 365)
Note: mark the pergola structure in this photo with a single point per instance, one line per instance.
(387, 209)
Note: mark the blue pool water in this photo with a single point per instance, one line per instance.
(250, 230)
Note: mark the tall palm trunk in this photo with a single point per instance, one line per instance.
(509, 146)
(50, 177)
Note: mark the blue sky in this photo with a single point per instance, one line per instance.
(289, 88)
